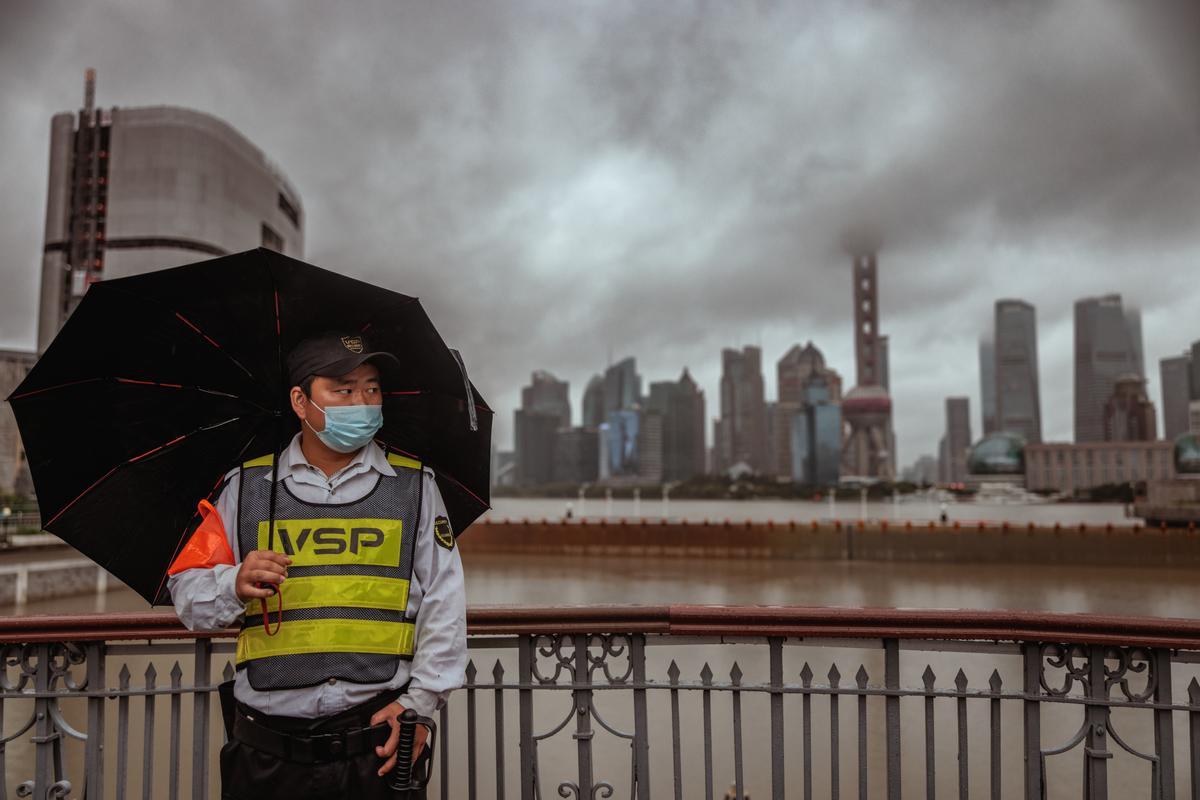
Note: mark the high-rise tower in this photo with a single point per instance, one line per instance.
(1107, 344)
(1018, 401)
(741, 434)
(869, 446)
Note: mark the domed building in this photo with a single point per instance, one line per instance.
(998, 454)
(1187, 455)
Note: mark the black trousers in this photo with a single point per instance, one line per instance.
(251, 774)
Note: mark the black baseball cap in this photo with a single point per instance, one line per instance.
(332, 354)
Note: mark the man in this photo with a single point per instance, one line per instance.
(346, 580)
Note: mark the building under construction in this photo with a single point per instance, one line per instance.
(137, 189)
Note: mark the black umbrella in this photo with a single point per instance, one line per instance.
(160, 383)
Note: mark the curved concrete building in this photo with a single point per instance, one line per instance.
(138, 189)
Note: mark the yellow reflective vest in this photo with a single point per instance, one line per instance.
(346, 593)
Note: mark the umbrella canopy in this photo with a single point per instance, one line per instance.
(160, 383)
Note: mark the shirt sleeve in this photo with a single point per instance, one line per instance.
(440, 661)
(203, 578)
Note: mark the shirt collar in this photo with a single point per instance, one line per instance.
(371, 457)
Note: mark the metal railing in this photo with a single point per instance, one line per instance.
(667, 701)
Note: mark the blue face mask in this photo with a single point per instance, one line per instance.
(347, 428)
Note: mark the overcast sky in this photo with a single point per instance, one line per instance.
(564, 181)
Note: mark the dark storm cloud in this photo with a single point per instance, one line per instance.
(560, 182)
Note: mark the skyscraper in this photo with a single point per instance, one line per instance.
(619, 438)
(138, 189)
(650, 447)
(799, 367)
(1175, 375)
(622, 386)
(816, 434)
(594, 413)
(1133, 323)
(743, 424)
(681, 405)
(1018, 403)
(1105, 350)
(535, 433)
(987, 383)
(957, 439)
(544, 411)
(1129, 415)
(795, 369)
(546, 394)
(576, 455)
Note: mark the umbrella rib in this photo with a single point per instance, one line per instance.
(460, 485)
(137, 382)
(52, 388)
(127, 462)
(215, 344)
(203, 389)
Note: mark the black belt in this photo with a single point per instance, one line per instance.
(312, 749)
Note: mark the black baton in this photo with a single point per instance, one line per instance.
(404, 777)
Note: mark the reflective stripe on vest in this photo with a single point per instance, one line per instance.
(319, 636)
(348, 583)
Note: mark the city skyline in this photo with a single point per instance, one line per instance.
(536, 164)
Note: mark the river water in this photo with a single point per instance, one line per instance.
(553, 580)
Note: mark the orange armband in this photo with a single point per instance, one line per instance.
(208, 546)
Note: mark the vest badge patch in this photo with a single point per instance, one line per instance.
(442, 533)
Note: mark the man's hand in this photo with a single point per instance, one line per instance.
(391, 714)
(260, 567)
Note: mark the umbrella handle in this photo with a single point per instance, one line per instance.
(266, 614)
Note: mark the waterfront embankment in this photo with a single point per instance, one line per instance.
(868, 540)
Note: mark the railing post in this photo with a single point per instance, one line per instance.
(641, 725)
(775, 644)
(498, 679)
(582, 696)
(525, 654)
(1194, 735)
(45, 738)
(891, 681)
(201, 679)
(444, 757)
(1164, 734)
(94, 748)
(1096, 753)
(472, 790)
(1032, 657)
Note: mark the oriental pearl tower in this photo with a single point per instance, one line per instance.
(868, 449)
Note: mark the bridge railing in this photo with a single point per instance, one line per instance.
(664, 701)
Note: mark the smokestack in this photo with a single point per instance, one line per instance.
(89, 95)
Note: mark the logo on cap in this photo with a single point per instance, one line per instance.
(353, 343)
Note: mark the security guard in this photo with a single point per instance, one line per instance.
(367, 613)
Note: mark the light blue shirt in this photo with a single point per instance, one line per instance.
(205, 598)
